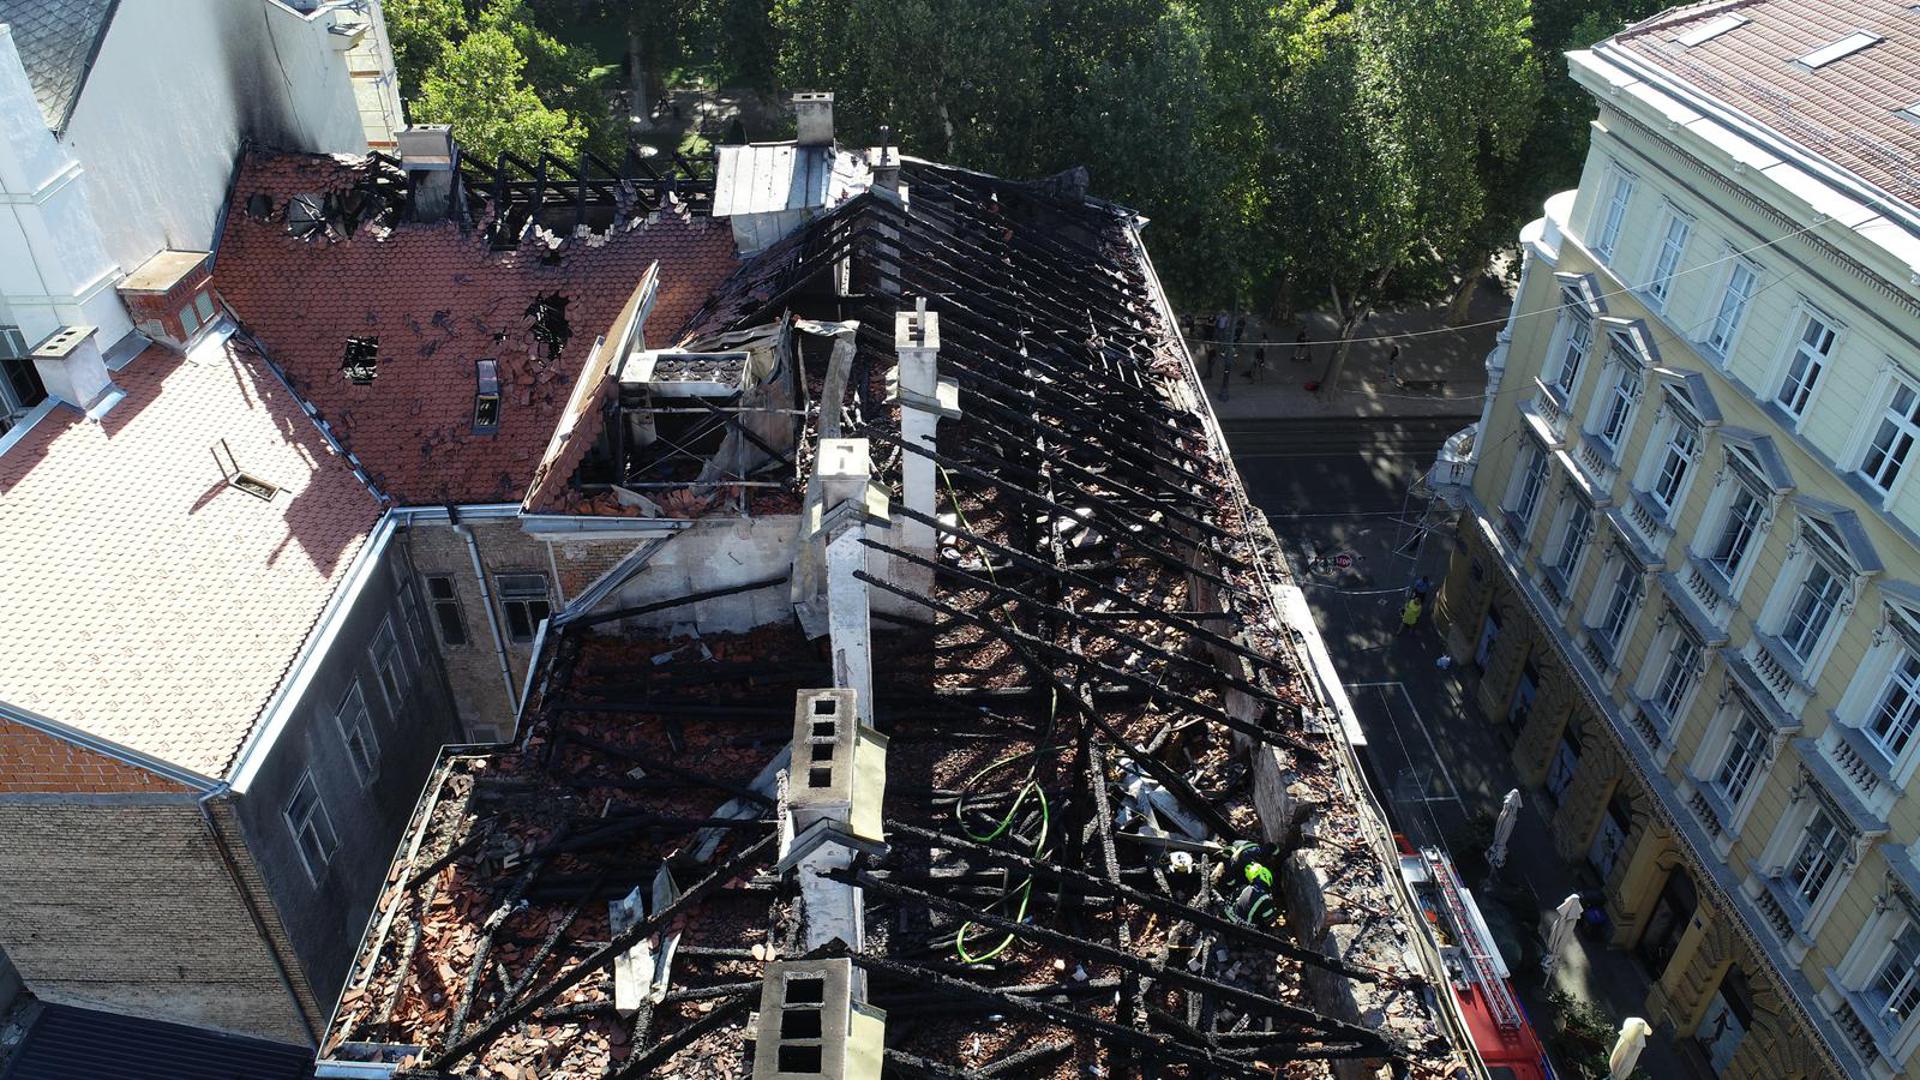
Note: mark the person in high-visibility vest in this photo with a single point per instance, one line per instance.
(1239, 854)
(1410, 615)
(1254, 905)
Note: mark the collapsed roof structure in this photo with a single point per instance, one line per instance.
(954, 804)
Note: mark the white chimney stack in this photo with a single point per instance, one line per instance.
(72, 367)
(845, 468)
(924, 398)
(813, 112)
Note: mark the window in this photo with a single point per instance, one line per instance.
(1733, 307)
(312, 830)
(1803, 370)
(523, 598)
(1532, 481)
(1676, 462)
(189, 322)
(1574, 543)
(1614, 215)
(486, 397)
(1895, 716)
(1745, 515)
(385, 653)
(1524, 695)
(1846, 46)
(1823, 847)
(1746, 749)
(1673, 243)
(20, 386)
(1627, 586)
(1676, 677)
(446, 611)
(1899, 425)
(1712, 28)
(1566, 762)
(1618, 418)
(356, 729)
(1814, 602)
(203, 305)
(1895, 987)
(1579, 339)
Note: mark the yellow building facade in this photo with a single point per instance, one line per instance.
(1687, 571)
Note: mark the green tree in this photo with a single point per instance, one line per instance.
(421, 31)
(479, 86)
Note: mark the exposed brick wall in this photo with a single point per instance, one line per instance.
(33, 762)
(122, 903)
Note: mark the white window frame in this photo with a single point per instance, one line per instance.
(1572, 344)
(1901, 429)
(355, 722)
(1614, 409)
(1610, 216)
(1819, 851)
(1817, 553)
(1616, 605)
(325, 839)
(1726, 734)
(1881, 674)
(1862, 971)
(1528, 487)
(1795, 390)
(1572, 535)
(1681, 442)
(1737, 482)
(1730, 313)
(1671, 682)
(389, 666)
(13, 346)
(1667, 256)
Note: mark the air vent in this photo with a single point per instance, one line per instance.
(1712, 28)
(1846, 46)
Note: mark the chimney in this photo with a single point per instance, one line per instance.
(924, 399)
(814, 1022)
(429, 154)
(73, 369)
(813, 112)
(848, 503)
(884, 160)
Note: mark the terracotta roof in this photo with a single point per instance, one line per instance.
(439, 299)
(148, 602)
(1848, 111)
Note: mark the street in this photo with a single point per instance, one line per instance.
(1337, 493)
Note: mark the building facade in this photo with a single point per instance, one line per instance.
(1686, 567)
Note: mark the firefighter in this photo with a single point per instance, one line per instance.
(1239, 854)
(1246, 869)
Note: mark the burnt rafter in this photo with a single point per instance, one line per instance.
(1363, 1042)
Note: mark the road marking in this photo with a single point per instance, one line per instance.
(1424, 733)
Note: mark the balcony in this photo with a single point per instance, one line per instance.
(1778, 672)
(1858, 1031)
(1596, 461)
(1708, 590)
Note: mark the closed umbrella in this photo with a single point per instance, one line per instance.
(1503, 829)
(1626, 1049)
(1560, 931)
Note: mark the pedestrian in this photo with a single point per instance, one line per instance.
(1226, 372)
(1259, 363)
(1240, 329)
(1393, 362)
(1410, 615)
(1206, 353)
(1301, 354)
(1422, 586)
(1221, 322)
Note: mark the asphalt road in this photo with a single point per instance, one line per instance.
(1337, 495)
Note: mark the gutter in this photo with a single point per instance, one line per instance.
(253, 910)
(105, 748)
(486, 601)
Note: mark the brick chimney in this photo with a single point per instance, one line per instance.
(72, 368)
(813, 112)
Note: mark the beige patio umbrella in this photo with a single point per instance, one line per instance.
(1560, 931)
(1626, 1049)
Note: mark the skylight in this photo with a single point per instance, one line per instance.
(1846, 46)
(1712, 28)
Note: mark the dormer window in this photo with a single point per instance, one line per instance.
(486, 397)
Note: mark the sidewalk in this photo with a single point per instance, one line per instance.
(1441, 767)
(1441, 372)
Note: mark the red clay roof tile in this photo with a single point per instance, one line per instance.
(439, 299)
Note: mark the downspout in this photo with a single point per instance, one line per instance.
(253, 911)
(486, 601)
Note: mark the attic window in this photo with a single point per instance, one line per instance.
(1712, 28)
(307, 216)
(486, 397)
(547, 319)
(1911, 114)
(1846, 46)
(237, 477)
(361, 361)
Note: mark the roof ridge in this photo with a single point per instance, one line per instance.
(1674, 16)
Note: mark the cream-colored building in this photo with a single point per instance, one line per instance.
(1688, 566)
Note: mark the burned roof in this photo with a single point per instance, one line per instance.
(1853, 106)
(57, 41)
(319, 251)
(993, 824)
(123, 627)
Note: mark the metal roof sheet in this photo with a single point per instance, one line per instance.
(81, 1044)
(57, 41)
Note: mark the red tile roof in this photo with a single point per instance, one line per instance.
(1847, 111)
(438, 299)
(148, 602)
